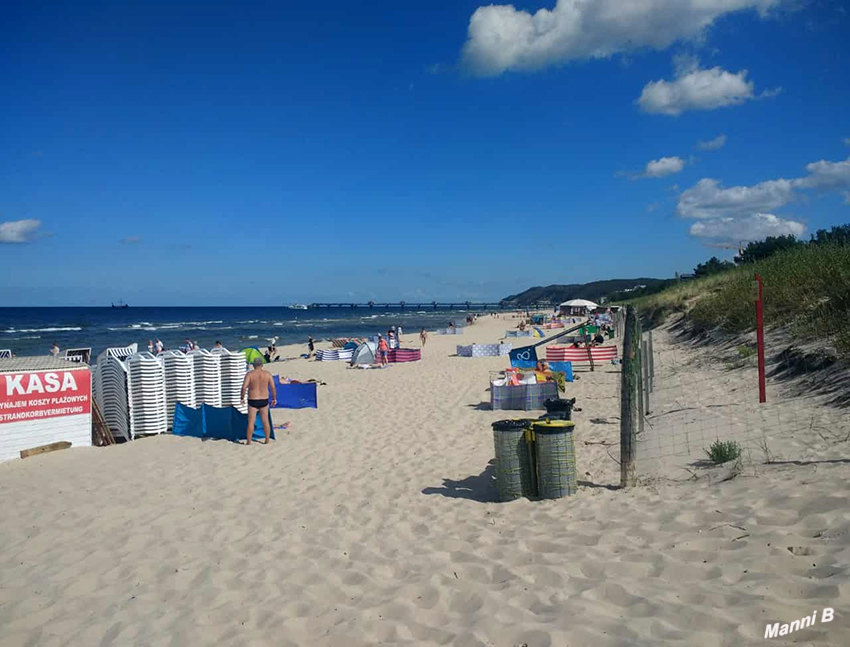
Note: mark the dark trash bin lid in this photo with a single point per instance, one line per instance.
(556, 404)
(512, 425)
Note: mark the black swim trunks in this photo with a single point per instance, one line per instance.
(258, 404)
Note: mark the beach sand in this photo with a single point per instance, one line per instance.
(373, 520)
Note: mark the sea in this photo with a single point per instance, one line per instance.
(33, 331)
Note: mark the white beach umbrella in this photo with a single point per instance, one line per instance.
(579, 303)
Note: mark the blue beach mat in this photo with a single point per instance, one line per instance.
(224, 423)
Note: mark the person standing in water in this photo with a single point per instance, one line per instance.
(256, 385)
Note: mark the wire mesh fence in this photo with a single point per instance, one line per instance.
(700, 403)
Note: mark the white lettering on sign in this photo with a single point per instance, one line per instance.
(51, 384)
(13, 385)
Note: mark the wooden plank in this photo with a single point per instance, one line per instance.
(101, 433)
(43, 449)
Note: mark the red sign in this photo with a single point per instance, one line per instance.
(44, 394)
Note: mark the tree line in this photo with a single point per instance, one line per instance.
(759, 250)
(754, 251)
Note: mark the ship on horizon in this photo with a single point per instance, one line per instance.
(120, 304)
(297, 306)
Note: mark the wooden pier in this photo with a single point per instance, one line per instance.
(433, 305)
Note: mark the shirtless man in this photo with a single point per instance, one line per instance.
(257, 384)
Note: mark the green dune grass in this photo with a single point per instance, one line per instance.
(806, 290)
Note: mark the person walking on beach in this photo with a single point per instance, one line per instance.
(383, 350)
(55, 350)
(150, 346)
(398, 336)
(423, 337)
(218, 345)
(256, 385)
(310, 346)
(159, 346)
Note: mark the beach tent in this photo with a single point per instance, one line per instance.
(365, 353)
(226, 423)
(579, 303)
(251, 352)
(350, 345)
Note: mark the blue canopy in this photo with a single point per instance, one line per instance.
(226, 423)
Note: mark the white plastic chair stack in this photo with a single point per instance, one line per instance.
(146, 395)
(111, 395)
(207, 377)
(179, 381)
(233, 369)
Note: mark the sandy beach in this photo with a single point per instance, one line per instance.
(374, 520)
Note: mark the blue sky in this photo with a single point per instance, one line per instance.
(264, 153)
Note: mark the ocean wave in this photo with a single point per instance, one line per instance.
(58, 329)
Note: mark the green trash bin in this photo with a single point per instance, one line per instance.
(515, 474)
(556, 458)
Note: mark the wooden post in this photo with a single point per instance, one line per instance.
(589, 351)
(760, 336)
(644, 362)
(629, 398)
(651, 365)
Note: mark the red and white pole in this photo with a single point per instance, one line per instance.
(760, 337)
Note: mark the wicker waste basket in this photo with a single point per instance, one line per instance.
(556, 458)
(515, 474)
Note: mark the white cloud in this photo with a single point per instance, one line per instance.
(19, 231)
(663, 167)
(652, 206)
(131, 240)
(712, 144)
(742, 213)
(501, 38)
(708, 199)
(757, 226)
(826, 175)
(696, 90)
